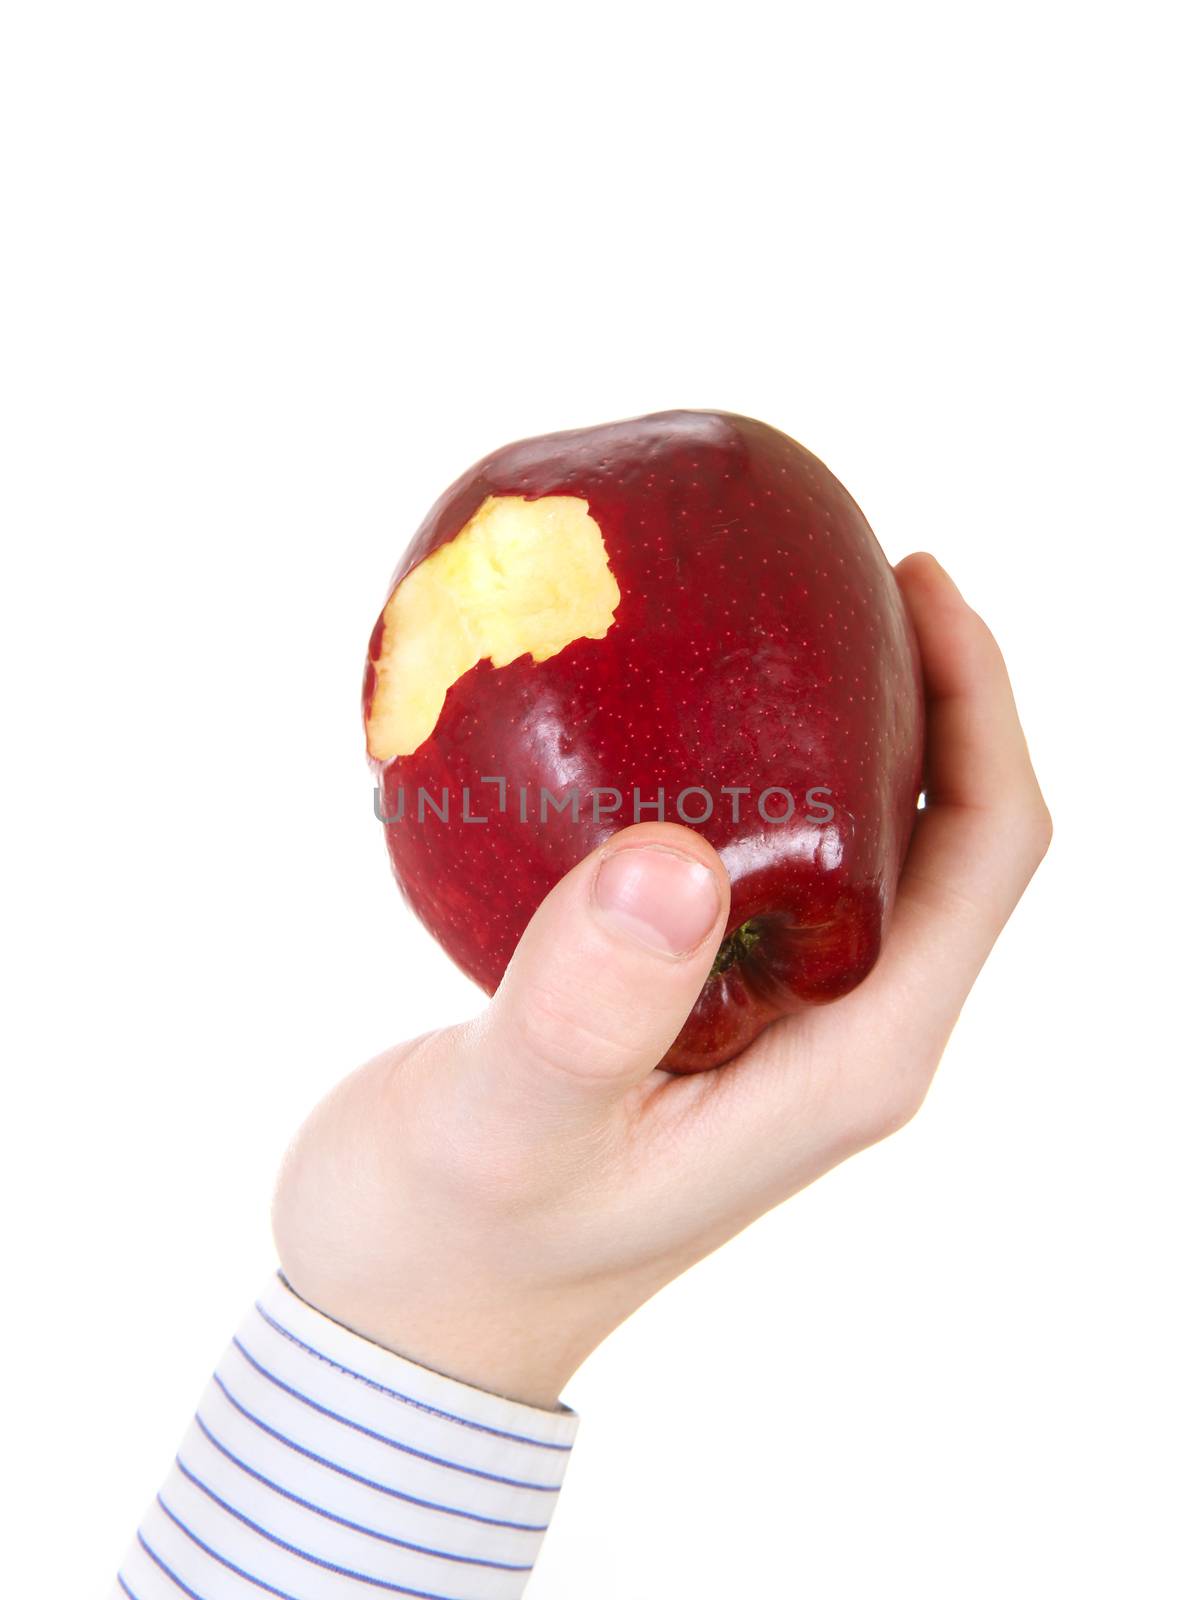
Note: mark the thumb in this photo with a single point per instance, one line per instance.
(607, 970)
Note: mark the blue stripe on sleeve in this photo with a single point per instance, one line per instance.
(343, 1572)
(371, 1483)
(383, 1438)
(304, 1555)
(174, 1576)
(332, 1516)
(224, 1561)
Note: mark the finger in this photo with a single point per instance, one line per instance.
(822, 1084)
(985, 825)
(605, 974)
(975, 750)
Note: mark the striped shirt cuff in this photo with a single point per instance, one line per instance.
(320, 1466)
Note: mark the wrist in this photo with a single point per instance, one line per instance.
(522, 1348)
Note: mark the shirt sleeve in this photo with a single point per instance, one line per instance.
(320, 1466)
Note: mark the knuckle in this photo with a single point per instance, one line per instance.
(1036, 830)
(887, 1100)
(1026, 822)
(898, 1106)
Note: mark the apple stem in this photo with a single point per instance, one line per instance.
(735, 946)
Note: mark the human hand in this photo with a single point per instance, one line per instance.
(492, 1199)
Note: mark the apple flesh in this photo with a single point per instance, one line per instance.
(683, 616)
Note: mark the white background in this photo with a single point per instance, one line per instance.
(274, 275)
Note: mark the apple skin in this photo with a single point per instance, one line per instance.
(760, 641)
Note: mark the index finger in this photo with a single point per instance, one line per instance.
(985, 825)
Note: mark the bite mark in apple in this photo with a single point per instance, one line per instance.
(524, 577)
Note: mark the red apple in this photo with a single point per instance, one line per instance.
(688, 609)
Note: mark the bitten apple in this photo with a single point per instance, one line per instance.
(684, 616)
